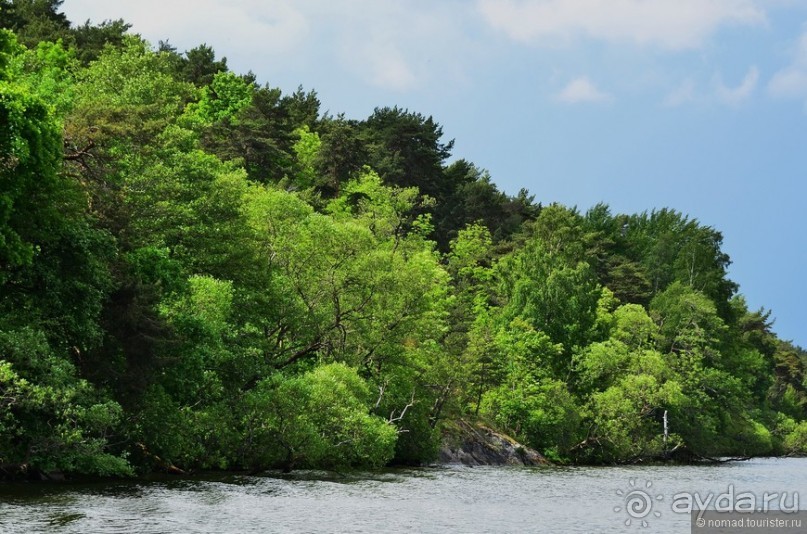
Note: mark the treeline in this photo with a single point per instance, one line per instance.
(201, 272)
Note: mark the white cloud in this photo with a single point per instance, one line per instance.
(791, 82)
(386, 44)
(399, 46)
(669, 24)
(387, 68)
(245, 28)
(582, 90)
(682, 94)
(736, 95)
(372, 43)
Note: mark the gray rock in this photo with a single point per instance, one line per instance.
(467, 444)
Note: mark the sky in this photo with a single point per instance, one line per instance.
(695, 105)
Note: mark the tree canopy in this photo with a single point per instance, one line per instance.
(200, 272)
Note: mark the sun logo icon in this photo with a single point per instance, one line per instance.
(638, 503)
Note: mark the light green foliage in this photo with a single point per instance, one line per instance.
(717, 378)
(306, 149)
(210, 303)
(469, 264)
(202, 314)
(355, 288)
(30, 148)
(223, 99)
(318, 419)
(124, 100)
(48, 70)
(471, 247)
(630, 386)
(389, 212)
(689, 321)
(557, 297)
(133, 78)
(634, 327)
(561, 232)
(352, 287)
(627, 416)
(528, 401)
(795, 441)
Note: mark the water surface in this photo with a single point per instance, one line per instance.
(444, 500)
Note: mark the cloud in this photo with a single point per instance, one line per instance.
(387, 68)
(736, 95)
(791, 82)
(582, 90)
(669, 24)
(682, 94)
(390, 45)
(246, 28)
(399, 46)
(371, 41)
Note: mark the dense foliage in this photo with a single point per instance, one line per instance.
(197, 271)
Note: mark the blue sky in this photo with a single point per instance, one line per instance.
(697, 105)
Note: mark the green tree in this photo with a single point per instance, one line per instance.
(318, 419)
(50, 419)
(405, 148)
(199, 66)
(557, 297)
(34, 20)
(529, 402)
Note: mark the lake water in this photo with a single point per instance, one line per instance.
(439, 500)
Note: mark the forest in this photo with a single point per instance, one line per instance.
(200, 272)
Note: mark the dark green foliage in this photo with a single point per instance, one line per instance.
(260, 136)
(406, 150)
(470, 196)
(50, 419)
(34, 20)
(199, 66)
(341, 157)
(90, 39)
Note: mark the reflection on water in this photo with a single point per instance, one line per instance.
(453, 499)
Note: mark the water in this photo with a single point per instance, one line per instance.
(444, 500)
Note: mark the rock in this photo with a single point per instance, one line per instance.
(467, 444)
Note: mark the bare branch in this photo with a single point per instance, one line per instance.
(380, 395)
(393, 419)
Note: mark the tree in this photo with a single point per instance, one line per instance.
(718, 384)
(91, 39)
(557, 297)
(674, 248)
(53, 280)
(30, 157)
(341, 156)
(406, 150)
(470, 196)
(319, 419)
(260, 136)
(51, 420)
(200, 66)
(529, 402)
(34, 20)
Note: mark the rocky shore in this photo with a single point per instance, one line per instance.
(475, 444)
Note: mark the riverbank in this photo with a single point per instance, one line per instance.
(476, 445)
